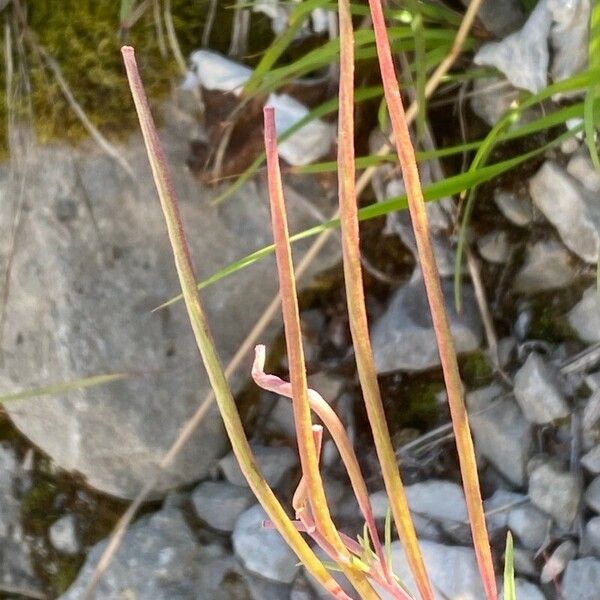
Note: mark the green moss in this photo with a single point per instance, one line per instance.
(83, 37)
(412, 402)
(67, 569)
(475, 369)
(549, 322)
(37, 506)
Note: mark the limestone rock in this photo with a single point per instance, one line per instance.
(572, 209)
(80, 303)
(263, 551)
(501, 433)
(403, 337)
(556, 492)
(537, 392)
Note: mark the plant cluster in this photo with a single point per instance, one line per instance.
(365, 562)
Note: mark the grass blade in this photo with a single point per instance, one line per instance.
(594, 90)
(204, 340)
(64, 387)
(357, 310)
(433, 192)
(510, 592)
(449, 362)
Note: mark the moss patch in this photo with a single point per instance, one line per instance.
(82, 36)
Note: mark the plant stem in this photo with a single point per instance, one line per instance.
(204, 341)
(293, 339)
(357, 310)
(416, 205)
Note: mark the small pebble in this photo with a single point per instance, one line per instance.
(537, 392)
(64, 536)
(592, 495)
(558, 561)
(581, 579)
(275, 464)
(556, 492)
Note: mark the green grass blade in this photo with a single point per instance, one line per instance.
(575, 83)
(280, 44)
(433, 192)
(594, 90)
(64, 387)
(418, 29)
(510, 592)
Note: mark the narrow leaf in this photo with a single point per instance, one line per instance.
(204, 341)
(428, 265)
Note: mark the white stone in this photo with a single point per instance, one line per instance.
(522, 56)
(582, 168)
(275, 464)
(64, 536)
(584, 317)
(558, 560)
(517, 208)
(592, 495)
(494, 247)
(403, 338)
(592, 535)
(591, 460)
(529, 525)
(435, 499)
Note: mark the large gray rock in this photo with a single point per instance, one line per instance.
(451, 569)
(16, 569)
(403, 337)
(159, 559)
(501, 433)
(572, 209)
(581, 579)
(92, 260)
(584, 317)
(537, 392)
